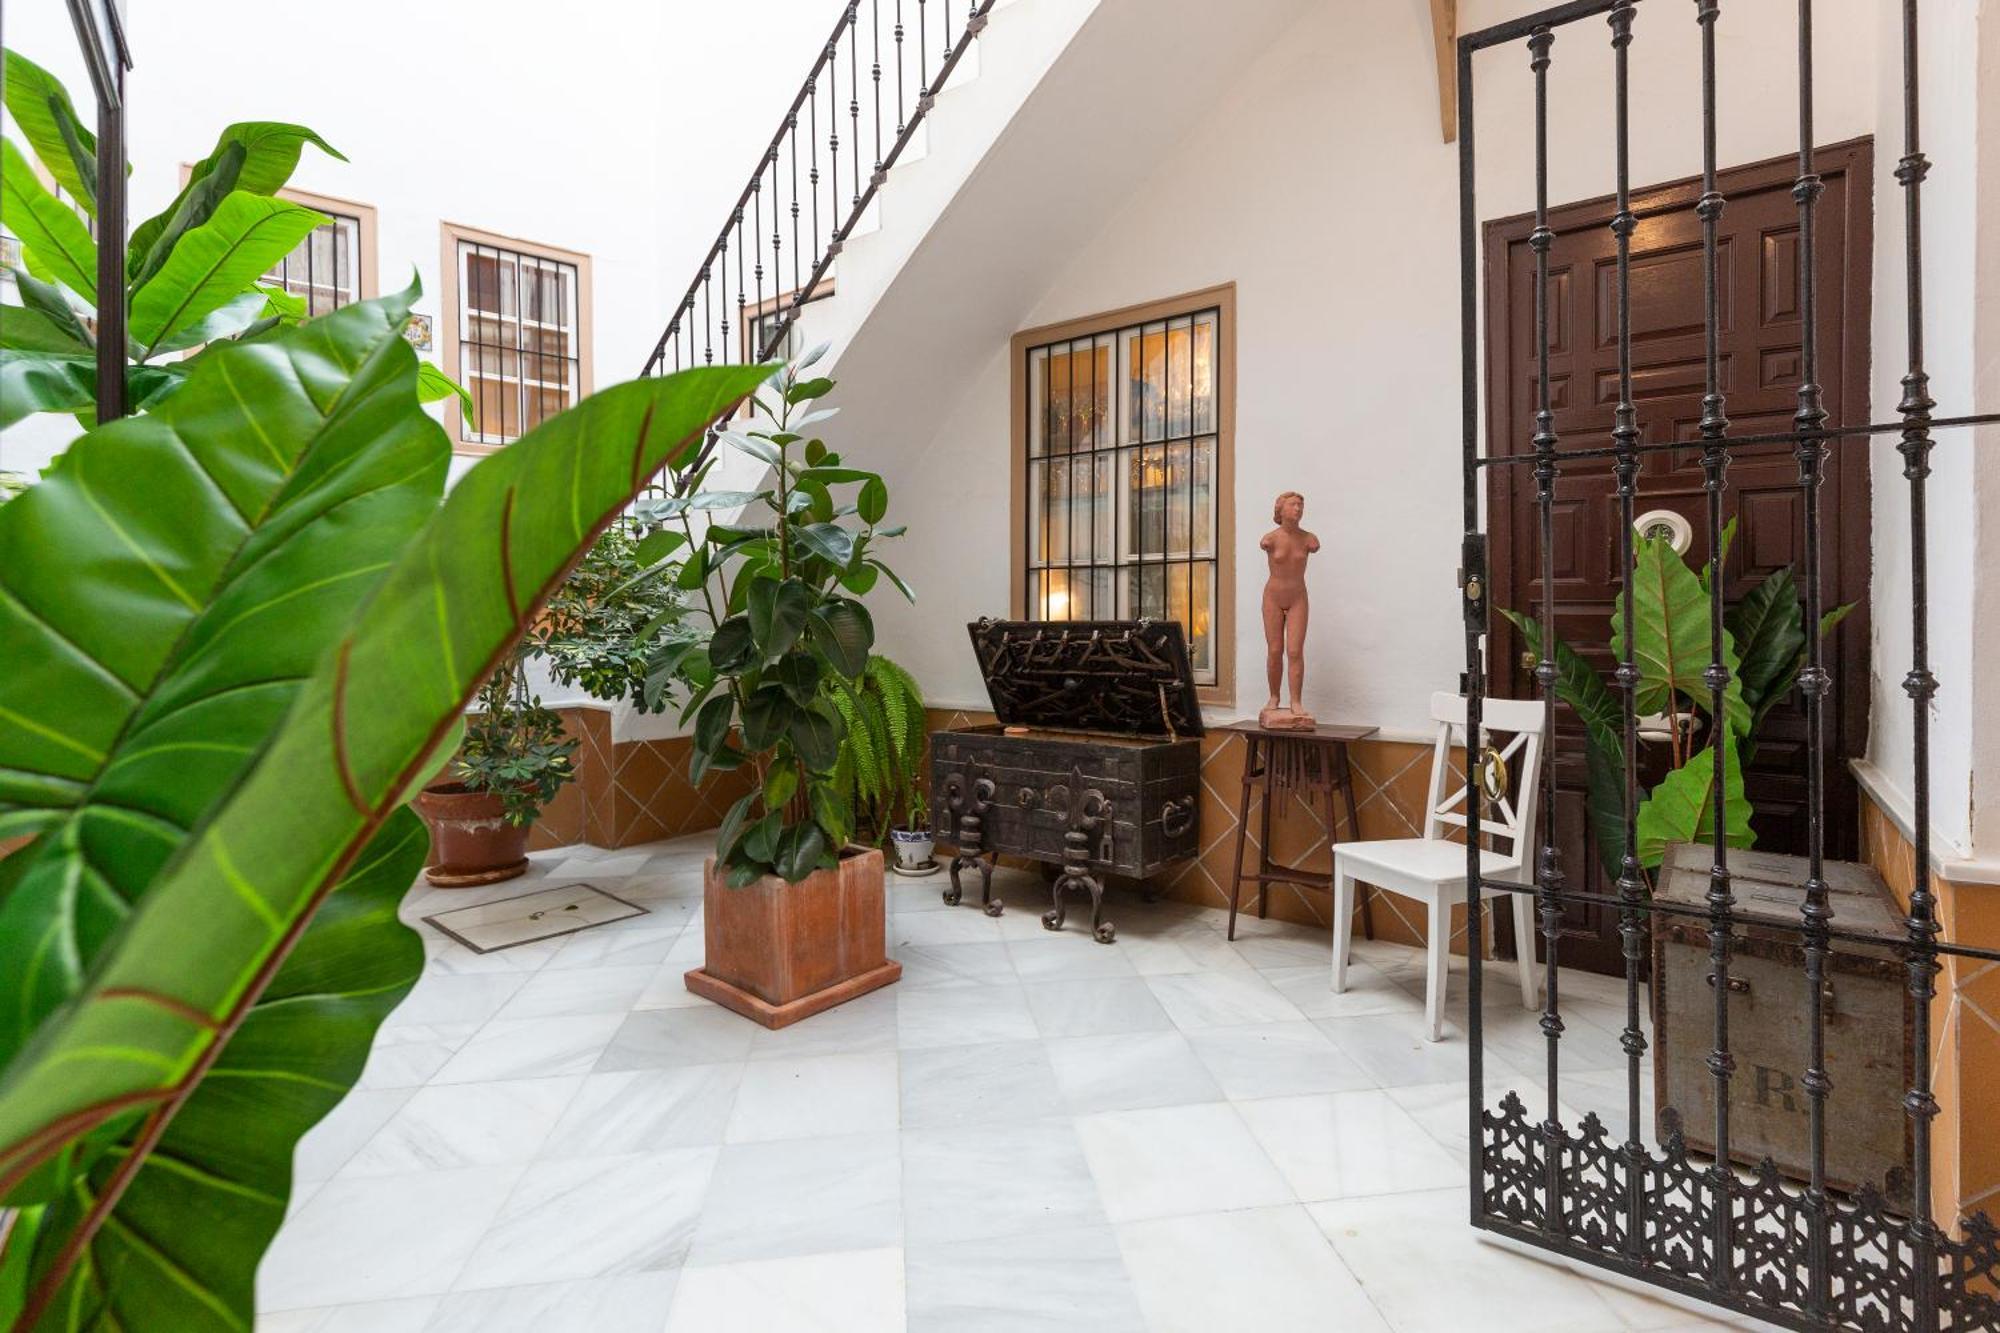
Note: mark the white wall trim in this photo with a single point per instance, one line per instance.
(1953, 863)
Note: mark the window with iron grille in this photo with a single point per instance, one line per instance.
(325, 269)
(1123, 505)
(519, 333)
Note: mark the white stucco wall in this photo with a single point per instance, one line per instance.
(1319, 184)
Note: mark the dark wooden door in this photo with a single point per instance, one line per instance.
(1761, 327)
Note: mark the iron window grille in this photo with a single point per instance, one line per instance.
(1122, 505)
(1600, 1189)
(518, 339)
(324, 270)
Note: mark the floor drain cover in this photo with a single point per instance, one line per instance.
(543, 914)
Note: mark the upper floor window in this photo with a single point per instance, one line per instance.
(518, 332)
(1123, 464)
(335, 264)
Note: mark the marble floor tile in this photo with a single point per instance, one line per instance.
(1267, 1269)
(1489, 1287)
(1095, 1007)
(1221, 999)
(864, 1024)
(447, 998)
(409, 1056)
(1129, 1071)
(1050, 1280)
(410, 1315)
(975, 1086)
(1392, 1048)
(1369, 991)
(602, 947)
(329, 1145)
(962, 1015)
(1269, 953)
(1347, 1144)
(596, 863)
(917, 895)
(445, 956)
(1005, 1179)
(926, 965)
(1159, 957)
(644, 1110)
(1276, 1060)
(594, 1217)
(466, 1124)
(961, 925)
(802, 1196)
(1215, 1163)
(668, 987)
(510, 1048)
(796, 1097)
(1067, 955)
(664, 1038)
(559, 993)
(632, 1303)
(381, 1238)
(817, 1293)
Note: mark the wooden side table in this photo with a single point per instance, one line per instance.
(1313, 763)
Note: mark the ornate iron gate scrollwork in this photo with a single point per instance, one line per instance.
(1802, 1255)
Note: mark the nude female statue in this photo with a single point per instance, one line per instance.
(1288, 546)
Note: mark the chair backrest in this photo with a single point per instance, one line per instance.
(1514, 729)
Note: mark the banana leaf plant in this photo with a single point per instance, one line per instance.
(1764, 647)
(780, 584)
(241, 630)
(192, 273)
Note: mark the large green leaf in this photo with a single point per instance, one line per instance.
(1682, 807)
(217, 262)
(366, 724)
(211, 550)
(180, 1249)
(1769, 629)
(195, 205)
(25, 329)
(1673, 646)
(41, 108)
(269, 153)
(33, 382)
(55, 241)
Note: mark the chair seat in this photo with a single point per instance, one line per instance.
(1418, 861)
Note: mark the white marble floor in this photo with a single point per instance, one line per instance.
(1029, 1131)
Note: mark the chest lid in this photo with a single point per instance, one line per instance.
(1125, 677)
(1769, 889)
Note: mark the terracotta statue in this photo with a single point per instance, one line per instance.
(1288, 547)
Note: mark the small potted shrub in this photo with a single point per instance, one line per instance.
(514, 760)
(880, 770)
(793, 916)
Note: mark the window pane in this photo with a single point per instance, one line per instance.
(1038, 400)
(518, 318)
(1202, 365)
(1205, 498)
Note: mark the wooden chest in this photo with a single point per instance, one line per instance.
(1094, 765)
(1865, 1002)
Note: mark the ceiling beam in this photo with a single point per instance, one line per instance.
(1444, 36)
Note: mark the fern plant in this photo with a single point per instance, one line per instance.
(879, 769)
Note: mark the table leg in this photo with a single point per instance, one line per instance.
(1264, 861)
(1242, 830)
(1354, 831)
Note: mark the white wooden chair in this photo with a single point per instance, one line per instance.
(1431, 869)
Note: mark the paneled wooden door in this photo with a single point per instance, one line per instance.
(1759, 288)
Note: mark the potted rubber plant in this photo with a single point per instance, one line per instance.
(514, 761)
(793, 918)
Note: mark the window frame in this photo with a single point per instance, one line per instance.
(1222, 300)
(366, 281)
(451, 236)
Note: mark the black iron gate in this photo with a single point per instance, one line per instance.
(1815, 1254)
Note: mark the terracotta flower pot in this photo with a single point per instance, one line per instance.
(470, 836)
(778, 952)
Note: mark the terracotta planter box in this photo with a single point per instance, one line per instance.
(778, 952)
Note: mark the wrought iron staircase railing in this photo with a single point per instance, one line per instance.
(857, 111)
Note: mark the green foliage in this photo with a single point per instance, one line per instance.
(192, 270)
(780, 681)
(879, 770)
(240, 631)
(514, 747)
(1764, 646)
(607, 621)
